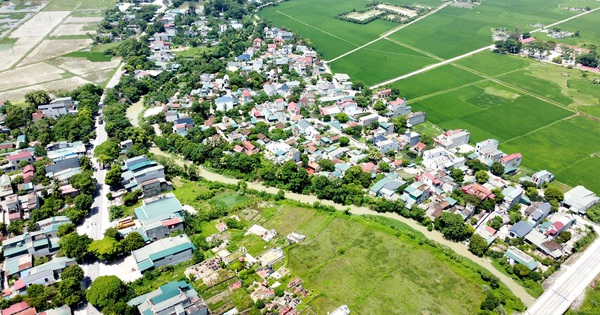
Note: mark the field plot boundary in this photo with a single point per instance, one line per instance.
(316, 28)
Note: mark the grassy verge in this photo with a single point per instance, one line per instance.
(93, 56)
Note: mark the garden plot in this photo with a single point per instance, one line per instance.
(30, 33)
(53, 48)
(29, 75)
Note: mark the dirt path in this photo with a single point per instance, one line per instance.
(434, 235)
(134, 111)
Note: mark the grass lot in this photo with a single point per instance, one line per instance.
(372, 268)
(93, 56)
(590, 304)
(387, 58)
(81, 36)
(444, 78)
(104, 47)
(315, 20)
(228, 199)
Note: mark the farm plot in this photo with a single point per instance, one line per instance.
(82, 67)
(316, 20)
(30, 33)
(490, 110)
(567, 148)
(380, 61)
(453, 31)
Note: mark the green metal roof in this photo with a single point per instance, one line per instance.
(165, 296)
(140, 165)
(171, 251)
(160, 207)
(527, 261)
(145, 265)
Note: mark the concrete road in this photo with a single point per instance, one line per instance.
(558, 298)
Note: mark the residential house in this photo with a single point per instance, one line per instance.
(160, 216)
(176, 297)
(560, 222)
(580, 199)
(63, 310)
(479, 191)
(61, 165)
(226, 102)
(511, 162)
(166, 251)
(28, 173)
(44, 274)
(416, 118)
(21, 308)
(58, 107)
(63, 150)
(368, 120)
(516, 256)
(415, 194)
(138, 173)
(512, 196)
(15, 158)
(453, 138)
(397, 108)
(47, 223)
(520, 229)
(542, 177)
(5, 186)
(537, 212)
(386, 146)
(37, 243)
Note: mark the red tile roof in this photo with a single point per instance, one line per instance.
(15, 308)
(19, 156)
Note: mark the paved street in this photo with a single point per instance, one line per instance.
(558, 298)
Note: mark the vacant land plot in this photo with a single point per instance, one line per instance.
(60, 5)
(361, 263)
(228, 199)
(48, 49)
(29, 34)
(565, 148)
(28, 75)
(363, 15)
(399, 10)
(80, 66)
(380, 61)
(62, 85)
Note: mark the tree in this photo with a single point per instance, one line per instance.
(85, 162)
(496, 222)
(107, 151)
(73, 271)
(453, 227)
(497, 168)
(589, 60)
(113, 233)
(36, 297)
(65, 229)
(105, 291)
(326, 165)
(532, 194)
(521, 271)
(457, 175)
(113, 176)
(477, 245)
(384, 167)
(84, 181)
(75, 245)
(38, 97)
(133, 241)
(491, 301)
(482, 177)
(71, 291)
(105, 249)
(563, 237)
(83, 202)
(553, 193)
(341, 117)
(344, 141)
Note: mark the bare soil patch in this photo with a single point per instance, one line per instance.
(54, 48)
(29, 75)
(365, 15)
(81, 66)
(399, 10)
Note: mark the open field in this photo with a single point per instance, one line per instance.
(315, 20)
(566, 149)
(52, 48)
(44, 40)
(361, 263)
(397, 59)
